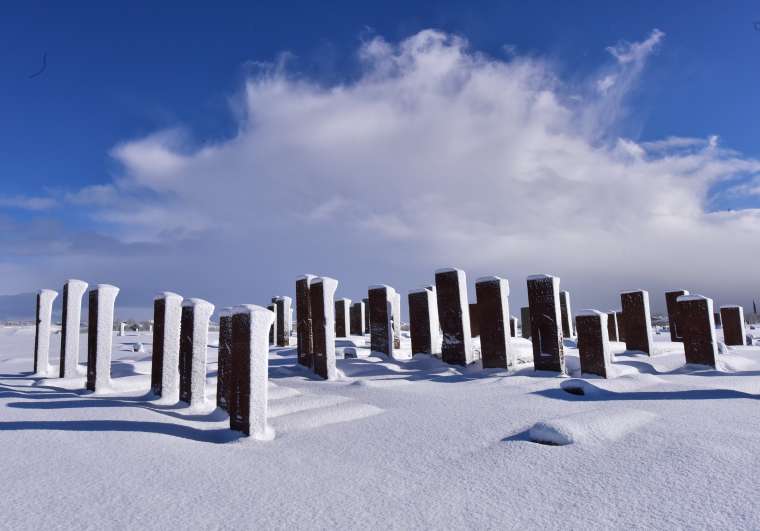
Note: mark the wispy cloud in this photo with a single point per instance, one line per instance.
(27, 202)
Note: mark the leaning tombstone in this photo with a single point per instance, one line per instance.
(100, 336)
(71, 319)
(45, 299)
(342, 317)
(734, 332)
(671, 303)
(593, 343)
(422, 326)
(612, 326)
(304, 330)
(525, 322)
(493, 309)
(167, 318)
(697, 327)
(193, 350)
(323, 321)
(454, 315)
(567, 314)
(545, 323)
(356, 318)
(283, 318)
(637, 321)
(381, 299)
(224, 360)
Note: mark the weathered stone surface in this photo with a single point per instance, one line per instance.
(716, 316)
(323, 322)
(493, 306)
(164, 374)
(381, 314)
(100, 336)
(697, 328)
(454, 316)
(342, 317)
(304, 330)
(734, 332)
(671, 302)
(525, 322)
(621, 327)
(284, 318)
(474, 319)
(45, 299)
(273, 330)
(546, 327)
(71, 319)
(357, 318)
(566, 313)
(396, 319)
(637, 321)
(612, 326)
(193, 348)
(513, 326)
(224, 363)
(422, 328)
(593, 343)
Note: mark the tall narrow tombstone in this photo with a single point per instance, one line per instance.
(545, 323)
(567, 314)
(323, 321)
(366, 315)
(250, 370)
(621, 327)
(732, 318)
(474, 319)
(122, 328)
(71, 320)
(637, 320)
(381, 315)
(454, 315)
(716, 316)
(593, 343)
(513, 326)
(273, 330)
(423, 321)
(493, 308)
(224, 383)
(100, 336)
(525, 322)
(193, 350)
(671, 302)
(45, 299)
(342, 317)
(167, 319)
(396, 319)
(612, 326)
(283, 318)
(356, 317)
(304, 330)
(697, 327)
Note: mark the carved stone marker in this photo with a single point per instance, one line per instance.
(474, 319)
(396, 319)
(612, 326)
(697, 327)
(567, 314)
(342, 317)
(284, 318)
(366, 315)
(545, 323)
(45, 299)
(381, 314)
(593, 343)
(250, 371)
(100, 336)
(273, 331)
(716, 316)
(493, 307)
(356, 318)
(423, 321)
(525, 322)
(304, 330)
(671, 302)
(621, 327)
(454, 315)
(167, 318)
(323, 321)
(193, 347)
(513, 326)
(71, 318)
(224, 361)
(732, 318)
(637, 320)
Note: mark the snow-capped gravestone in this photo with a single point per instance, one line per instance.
(304, 330)
(513, 326)
(732, 318)
(593, 343)
(224, 361)
(423, 321)
(342, 317)
(100, 336)
(356, 318)
(474, 319)
(71, 319)
(396, 319)
(567, 314)
(525, 322)
(637, 320)
(454, 315)
(193, 346)
(612, 326)
(493, 307)
(164, 373)
(671, 302)
(323, 321)
(284, 319)
(697, 328)
(122, 328)
(273, 330)
(250, 371)
(545, 323)
(45, 299)
(381, 315)
(366, 315)
(620, 327)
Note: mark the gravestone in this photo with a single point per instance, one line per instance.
(224, 361)
(612, 326)
(71, 319)
(454, 316)
(44, 313)
(273, 331)
(323, 322)
(567, 314)
(513, 326)
(356, 318)
(396, 319)
(381, 314)
(100, 336)
(167, 318)
(697, 327)
(593, 343)
(732, 318)
(525, 322)
(366, 315)
(637, 320)
(545, 323)
(284, 319)
(493, 307)
(716, 316)
(423, 321)
(671, 302)
(621, 328)
(304, 327)
(474, 319)
(342, 317)
(193, 350)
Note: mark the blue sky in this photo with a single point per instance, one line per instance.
(127, 72)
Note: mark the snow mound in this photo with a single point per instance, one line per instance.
(589, 427)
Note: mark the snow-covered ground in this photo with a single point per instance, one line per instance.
(391, 444)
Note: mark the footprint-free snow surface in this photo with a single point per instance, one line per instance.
(393, 444)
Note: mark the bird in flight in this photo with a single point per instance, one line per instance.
(44, 66)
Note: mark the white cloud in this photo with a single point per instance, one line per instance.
(27, 203)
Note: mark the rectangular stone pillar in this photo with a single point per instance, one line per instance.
(45, 299)
(567, 314)
(304, 330)
(545, 323)
(671, 303)
(224, 382)
(637, 321)
(474, 319)
(454, 315)
(381, 299)
(100, 336)
(732, 318)
(356, 316)
(71, 319)
(323, 321)
(621, 327)
(525, 322)
(366, 315)
(193, 351)
(164, 373)
(493, 309)
(423, 321)
(716, 316)
(396, 319)
(250, 370)
(342, 317)
(593, 343)
(283, 317)
(513, 326)
(122, 328)
(612, 326)
(273, 331)
(697, 327)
